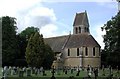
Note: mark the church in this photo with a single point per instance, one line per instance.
(77, 49)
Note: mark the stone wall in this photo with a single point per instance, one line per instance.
(74, 60)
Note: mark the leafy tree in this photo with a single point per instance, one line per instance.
(23, 39)
(9, 42)
(112, 40)
(49, 57)
(35, 51)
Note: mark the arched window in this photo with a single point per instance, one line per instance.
(77, 51)
(76, 30)
(93, 51)
(86, 51)
(68, 52)
(79, 29)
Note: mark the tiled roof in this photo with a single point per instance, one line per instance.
(80, 19)
(81, 40)
(56, 43)
(71, 41)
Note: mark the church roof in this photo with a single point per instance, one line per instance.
(56, 43)
(71, 41)
(80, 19)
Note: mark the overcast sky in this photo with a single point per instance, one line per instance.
(55, 17)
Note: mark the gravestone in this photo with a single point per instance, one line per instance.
(71, 70)
(36, 71)
(88, 71)
(41, 69)
(65, 71)
(15, 70)
(103, 70)
(33, 70)
(21, 72)
(58, 71)
(117, 72)
(24, 69)
(9, 70)
(96, 73)
(5, 71)
(44, 74)
(28, 72)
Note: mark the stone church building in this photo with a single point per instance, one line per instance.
(77, 49)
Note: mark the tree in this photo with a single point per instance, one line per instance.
(23, 39)
(35, 51)
(9, 42)
(112, 40)
(49, 57)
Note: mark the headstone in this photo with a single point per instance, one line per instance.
(110, 71)
(65, 71)
(44, 74)
(71, 70)
(24, 69)
(15, 70)
(58, 71)
(88, 71)
(110, 76)
(96, 73)
(33, 70)
(28, 73)
(12, 71)
(36, 71)
(103, 70)
(117, 72)
(9, 70)
(21, 72)
(5, 71)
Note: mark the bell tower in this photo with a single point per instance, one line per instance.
(81, 24)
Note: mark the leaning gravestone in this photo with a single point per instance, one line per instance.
(28, 72)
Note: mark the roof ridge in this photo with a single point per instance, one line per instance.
(56, 37)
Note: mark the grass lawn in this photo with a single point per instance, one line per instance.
(62, 75)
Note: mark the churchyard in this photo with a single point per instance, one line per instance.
(66, 73)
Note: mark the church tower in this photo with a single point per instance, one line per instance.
(81, 24)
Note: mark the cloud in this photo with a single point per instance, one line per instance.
(98, 33)
(49, 30)
(11, 7)
(40, 17)
(32, 13)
